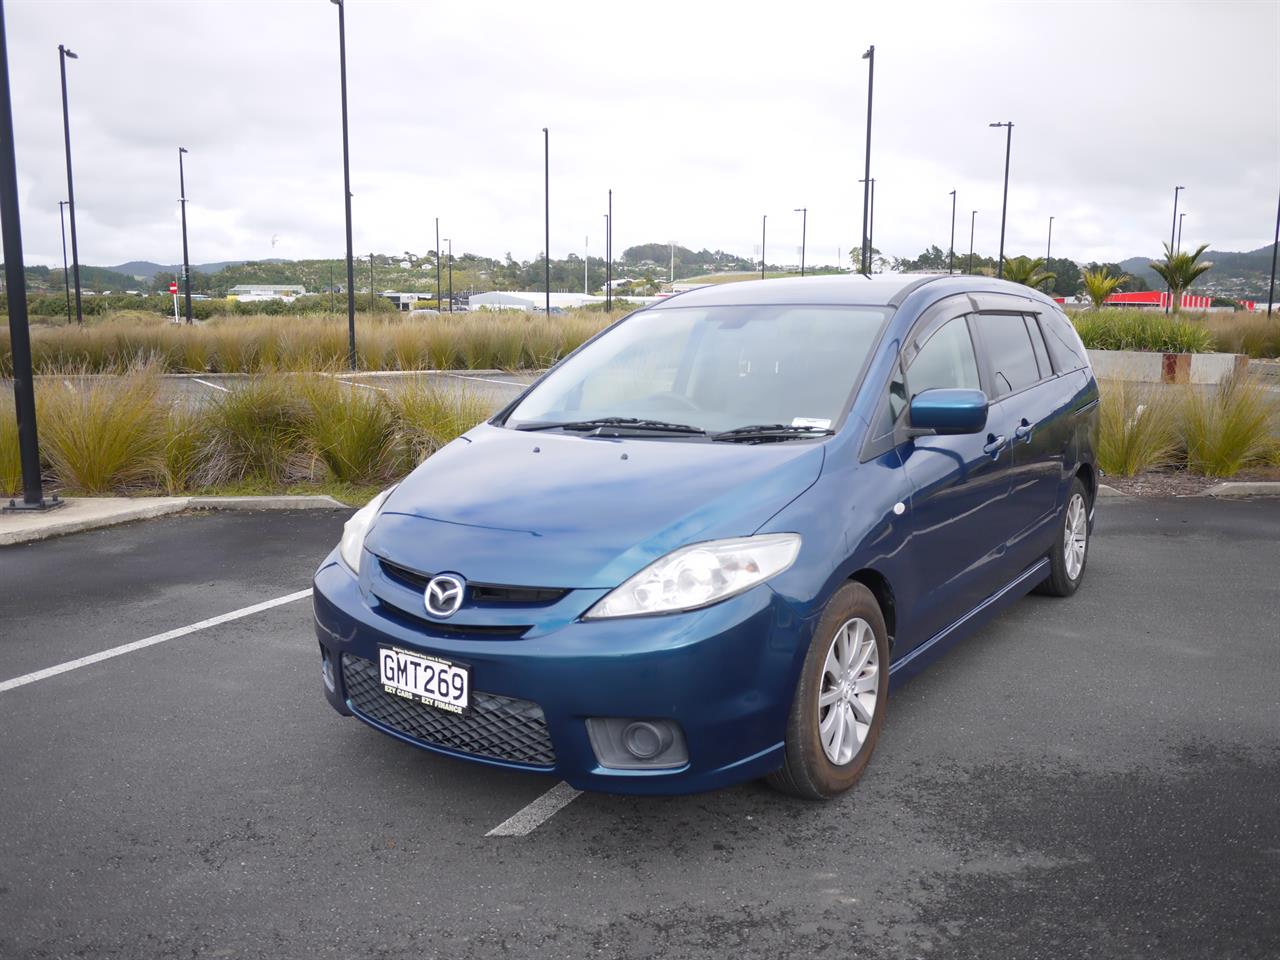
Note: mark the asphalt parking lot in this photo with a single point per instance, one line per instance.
(1096, 777)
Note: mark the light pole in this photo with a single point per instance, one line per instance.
(439, 289)
(608, 239)
(586, 266)
(870, 57)
(871, 227)
(1173, 226)
(186, 265)
(449, 242)
(15, 274)
(63, 55)
(804, 232)
(1048, 245)
(371, 285)
(1178, 246)
(673, 261)
(1004, 204)
(546, 221)
(951, 250)
(66, 279)
(973, 218)
(764, 223)
(346, 185)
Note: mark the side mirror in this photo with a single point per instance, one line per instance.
(945, 412)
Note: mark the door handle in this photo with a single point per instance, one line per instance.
(1024, 430)
(994, 445)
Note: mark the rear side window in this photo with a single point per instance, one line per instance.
(1064, 343)
(1037, 344)
(945, 360)
(1009, 351)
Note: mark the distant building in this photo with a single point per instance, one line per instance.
(536, 300)
(1161, 299)
(404, 302)
(252, 292)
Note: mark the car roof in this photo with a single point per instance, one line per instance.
(852, 289)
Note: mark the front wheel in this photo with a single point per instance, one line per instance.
(840, 699)
(1068, 557)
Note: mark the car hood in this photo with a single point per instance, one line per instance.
(508, 507)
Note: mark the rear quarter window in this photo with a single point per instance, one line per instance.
(1063, 342)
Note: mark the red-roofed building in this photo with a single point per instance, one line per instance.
(1160, 300)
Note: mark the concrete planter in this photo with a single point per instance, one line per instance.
(1138, 366)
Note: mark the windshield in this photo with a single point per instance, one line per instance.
(713, 368)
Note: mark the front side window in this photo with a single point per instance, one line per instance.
(945, 361)
(1008, 347)
(714, 368)
(1064, 343)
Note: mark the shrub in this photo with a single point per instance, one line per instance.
(350, 429)
(1137, 428)
(256, 432)
(1253, 333)
(184, 449)
(1228, 427)
(428, 418)
(102, 435)
(1142, 330)
(10, 459)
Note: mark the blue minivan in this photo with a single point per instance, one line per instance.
(697, 549)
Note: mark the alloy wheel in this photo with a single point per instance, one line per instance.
(1075, 536)
(847, 699)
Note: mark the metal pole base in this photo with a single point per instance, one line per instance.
(21, 506)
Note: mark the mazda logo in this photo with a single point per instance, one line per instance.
(444, 595)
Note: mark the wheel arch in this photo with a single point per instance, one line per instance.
(882, 590)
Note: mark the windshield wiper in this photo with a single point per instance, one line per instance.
(770, 431)
(627, 423)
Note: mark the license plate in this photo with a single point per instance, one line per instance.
(424, 679)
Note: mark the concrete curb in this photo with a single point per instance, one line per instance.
(87, 513)
(1108, 491)
(299, 502)
(93, 513)
(1244, 488)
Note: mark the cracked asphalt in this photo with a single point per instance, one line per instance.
(1096, 777)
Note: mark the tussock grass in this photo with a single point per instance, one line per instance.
(351, 430)
(1138, 428)
(428, 418)
(255, 431)
(10, 460)
(1229, 428)
(1254, 334)
(102, 435)
(505, 340)
(1118, 329)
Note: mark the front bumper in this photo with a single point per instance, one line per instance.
(725, 674)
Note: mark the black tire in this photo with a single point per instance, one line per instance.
(807, 771)
(1060, 583)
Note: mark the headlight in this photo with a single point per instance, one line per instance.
(353, 532)
(698, 575)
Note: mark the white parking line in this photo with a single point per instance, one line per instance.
(367, 386)
(206, 383)
(505, 383)
(525, 821)
(101, 655)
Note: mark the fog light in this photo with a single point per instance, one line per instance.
(621, 743)
(644, 740)
(326, 670)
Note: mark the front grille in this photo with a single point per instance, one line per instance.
(481, 594)
(498, 727)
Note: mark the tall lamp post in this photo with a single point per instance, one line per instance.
(870, 57)
(1049, 244)
(546, 219)
(66, 279)
(1004, 204)
(608, 225)
(63, 55)
(871, 226)
(16, 284)
(804, 231)
(1173, 226)
(672, 244)
(449, 256)
(1178, 246)
(973, 219)
(951, 250)
(586, 266)
(439, 289)
(346, 185)
(186, 265)
(764, 223)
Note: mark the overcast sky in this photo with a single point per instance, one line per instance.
(701, 117)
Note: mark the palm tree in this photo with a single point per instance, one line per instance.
(1027, 271)
(1180, 270)
(1100, 284)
